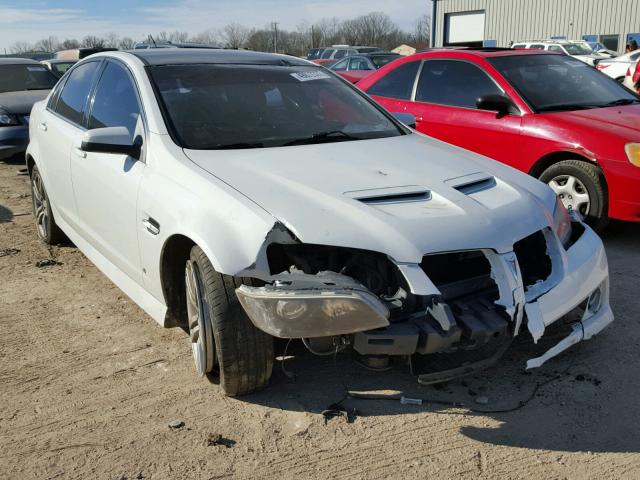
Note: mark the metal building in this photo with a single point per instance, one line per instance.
(492, 23)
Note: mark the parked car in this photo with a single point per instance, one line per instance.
(598, 47)
(544, 113)
(282, 202)
(355, 67)
(58, 67)
(632, 78)
(616, 68)
(331, 55)
(579, 50)
(22, 83)
(315, 53)
(80, 53)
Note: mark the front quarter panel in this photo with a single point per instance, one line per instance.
(185, 200)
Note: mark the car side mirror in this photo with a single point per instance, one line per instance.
(116, 140)
(497, 103)
(408, 119)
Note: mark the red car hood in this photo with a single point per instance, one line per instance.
(623, 121)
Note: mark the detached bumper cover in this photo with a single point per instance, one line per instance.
(586, 279)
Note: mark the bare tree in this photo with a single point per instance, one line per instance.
(208, 37)
(422, 32)
(20, 47)
(126, 43)
(69, 43)
(260, 40)
(111, 40)
(235, 35)
(178, 37)
(49, 44)
(91, 41)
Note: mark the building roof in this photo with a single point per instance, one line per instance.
(18, 61)
(173, 56)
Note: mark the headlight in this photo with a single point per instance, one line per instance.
(562, 222)
(633, 153)
(309, 313)
(7, 120)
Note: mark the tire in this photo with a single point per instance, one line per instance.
(243, 353)
(46, 227)
(589, 178)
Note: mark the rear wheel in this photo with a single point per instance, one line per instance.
(46, 227)
(220, 331)
(582, 188)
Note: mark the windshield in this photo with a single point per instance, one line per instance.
(60, 68)
(577, 49)
(558, 82)
(251, 106)
(381, 60)
(19, 77)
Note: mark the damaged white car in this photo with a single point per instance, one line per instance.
(248, 196)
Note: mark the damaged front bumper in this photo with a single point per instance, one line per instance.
(456, 326)
(585, 283)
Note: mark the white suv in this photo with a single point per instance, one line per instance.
(578, 50)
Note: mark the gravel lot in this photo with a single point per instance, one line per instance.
(89, 385)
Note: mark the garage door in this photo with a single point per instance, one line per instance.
(464, 28)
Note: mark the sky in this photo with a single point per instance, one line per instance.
(31, 20)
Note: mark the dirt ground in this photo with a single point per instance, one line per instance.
(89, 384)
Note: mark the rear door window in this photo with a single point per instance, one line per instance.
(536, 46)
(398, 83)
(327, 53)
(341, 65)
(73, 98)
(454, 83)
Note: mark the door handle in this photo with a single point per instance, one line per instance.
(151, 225)
(80, 153)
(43, 127)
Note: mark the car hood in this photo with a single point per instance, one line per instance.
(404, 196)
(20, 103)
(623, 121)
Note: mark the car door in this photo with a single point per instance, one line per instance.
(395, 90)
(61, 123)
(105, 185)
(445, 108)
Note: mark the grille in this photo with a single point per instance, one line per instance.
(535, 263)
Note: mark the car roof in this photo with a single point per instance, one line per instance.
(178, 56)
(18, 61)
(488, 52)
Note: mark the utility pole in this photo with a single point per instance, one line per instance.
(275, 36)
(313, 41)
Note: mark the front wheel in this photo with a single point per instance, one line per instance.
(221, 333)
(582, 188)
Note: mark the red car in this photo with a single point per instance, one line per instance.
(544, 113)
(355, 67)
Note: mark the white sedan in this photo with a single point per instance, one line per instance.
(617, 67)
(247, 196)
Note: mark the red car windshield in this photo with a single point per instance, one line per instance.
(558, 82)
(252, 106)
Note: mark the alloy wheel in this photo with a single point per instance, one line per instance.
(200, 329)
(572, 192)
(40, 205)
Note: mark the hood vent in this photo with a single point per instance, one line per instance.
(476, 185)
(389, 195)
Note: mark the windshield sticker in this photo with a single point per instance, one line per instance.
(36, 69)
(307, 76)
